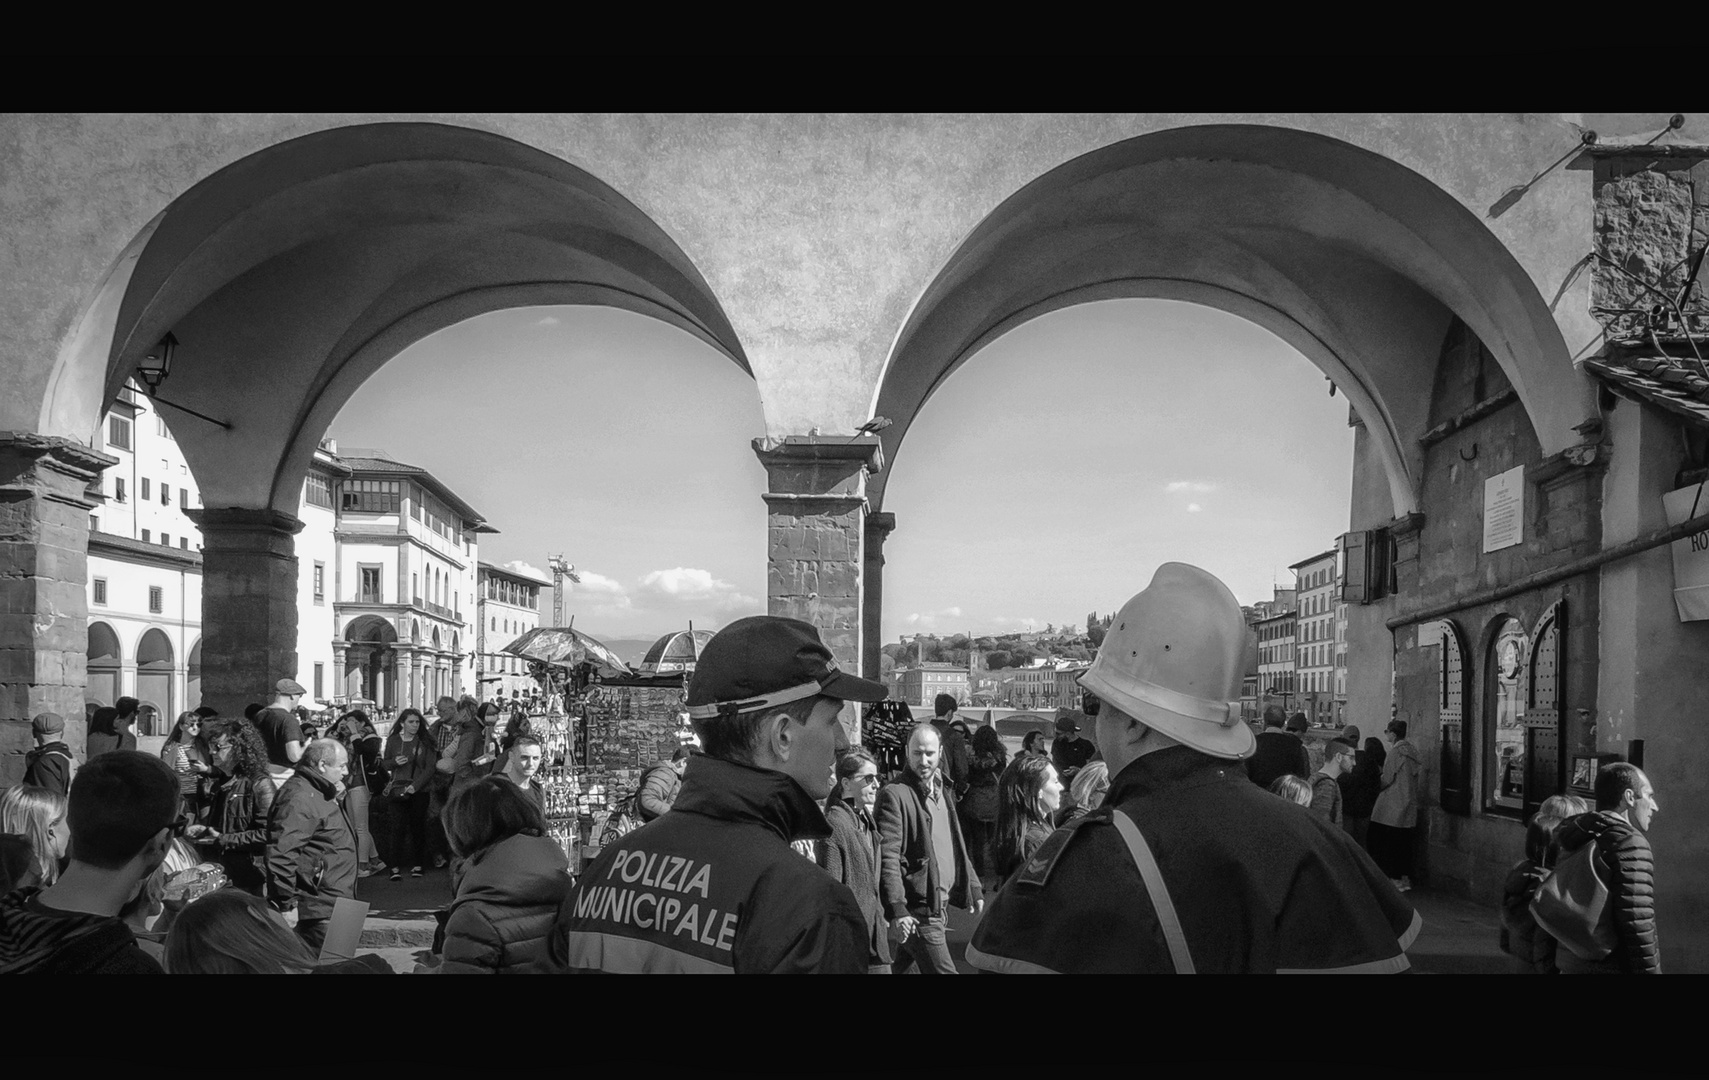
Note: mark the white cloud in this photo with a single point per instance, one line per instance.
(527, 568)
(549, 320)
(1197, 487)
(658, 600)
(694, 588)
(1193, 508)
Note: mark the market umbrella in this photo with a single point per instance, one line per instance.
(676, 652)
(566, 647)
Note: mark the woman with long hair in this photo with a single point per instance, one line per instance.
(240, 800)
(109, 730)
(38, 815)
(1035, 744)
(410, 758)
(232, 933)
(978, 807)
(1028, 793)
(367, 775)
(514, 878)
(851, 854)
(1359, 793)
(187, 753)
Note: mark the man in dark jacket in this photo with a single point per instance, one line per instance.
(50, 765)
(1278, 752)
(924, 866)
(1625, 803)
(123, 811)
(311, 843)
(957, 755)
(1185, 867)
(714, 886)
(1069, 751)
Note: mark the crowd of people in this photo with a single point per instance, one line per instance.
(1186, 840)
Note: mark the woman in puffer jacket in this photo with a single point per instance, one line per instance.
(513, 878)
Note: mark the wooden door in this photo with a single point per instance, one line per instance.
(1543, 763)
(1456, 797)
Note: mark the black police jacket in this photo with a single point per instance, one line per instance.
(714, 887)
(1259, 884)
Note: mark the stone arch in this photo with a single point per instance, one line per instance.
(193, 676)
(370, 628)
(1353, 259)
(311, 263)
(155, 675)
(105, 661)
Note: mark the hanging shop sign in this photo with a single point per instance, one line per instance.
(1504, 509)
(1690, 555)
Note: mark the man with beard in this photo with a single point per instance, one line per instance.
(924, 862)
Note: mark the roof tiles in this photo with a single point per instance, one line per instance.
(1667, 382)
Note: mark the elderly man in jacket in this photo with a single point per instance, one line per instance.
(311, 842)
(1625, 803)
(924, 866)
(1186, 866)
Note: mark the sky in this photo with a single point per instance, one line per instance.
(1047, 478)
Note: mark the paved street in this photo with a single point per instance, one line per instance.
(1459, 937)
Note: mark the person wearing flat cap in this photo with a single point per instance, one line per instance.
(50, 765)
(1187, 866)
(714, 886)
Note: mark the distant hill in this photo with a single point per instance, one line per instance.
(631, 650)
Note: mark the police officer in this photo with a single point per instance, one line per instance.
(713, 885)
(1187, 866)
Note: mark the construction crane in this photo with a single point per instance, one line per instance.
(560, 571)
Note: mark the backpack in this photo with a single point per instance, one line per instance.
(1572, 905)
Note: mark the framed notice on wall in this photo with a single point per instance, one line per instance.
(1504, 509)
(1690, 555)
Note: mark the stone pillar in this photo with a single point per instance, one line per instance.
(815, 538)
(44, 567)
(337, 669)
(249, 604)
(879, 526)
(816, 505)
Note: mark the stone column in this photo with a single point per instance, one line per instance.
(816, 510)
(879, 526)
(44, 566)
(337, 668)
(249, 604)
(816, 507)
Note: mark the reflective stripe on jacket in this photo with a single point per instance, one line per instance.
(1259, 884)
(714, 887)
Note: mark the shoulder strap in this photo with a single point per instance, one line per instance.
(1153, 877)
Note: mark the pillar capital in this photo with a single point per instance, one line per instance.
(820, 466)
(238, 529)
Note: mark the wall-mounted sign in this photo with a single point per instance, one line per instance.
(1504, 509)
(1690, 555)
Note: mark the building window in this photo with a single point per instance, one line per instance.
(156, 599)
(371, 496)
(317, 492)
(320, 582)
(144, 483)
(320, 680)
(118, 489)
(165, 493)
(100, 590)
(184, 542)
(165, 539)
(145, 536)
(370, 585)
(119, 433)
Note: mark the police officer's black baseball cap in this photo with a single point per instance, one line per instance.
(765, 661)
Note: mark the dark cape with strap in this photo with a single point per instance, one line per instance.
(1259, 883)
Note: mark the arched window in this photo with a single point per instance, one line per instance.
(1504, 712)
(1451, 695)
(1544, 775)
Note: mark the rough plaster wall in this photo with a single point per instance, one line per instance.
(1652, 218)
